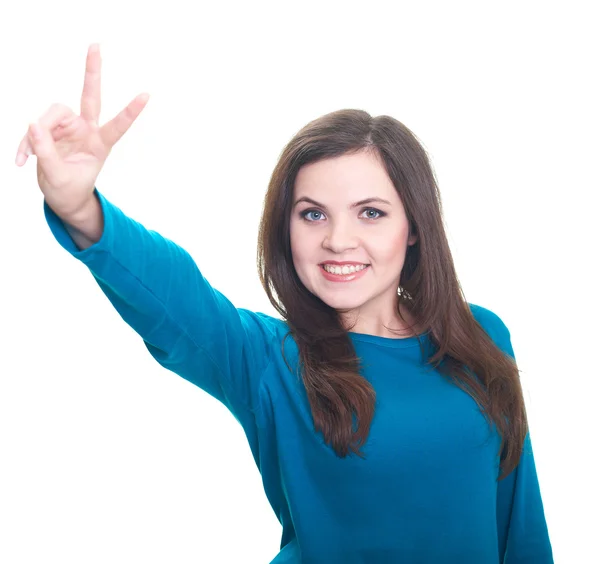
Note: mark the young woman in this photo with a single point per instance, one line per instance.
(384, 411)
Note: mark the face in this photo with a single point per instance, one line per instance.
(349, 234)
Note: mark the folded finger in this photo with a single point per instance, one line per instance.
(57, 115)
(45, 150)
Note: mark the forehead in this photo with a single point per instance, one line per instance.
(346, 177)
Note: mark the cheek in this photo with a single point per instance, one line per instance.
(303, 244)
(390, 247)
(293, 238)
(300, 250)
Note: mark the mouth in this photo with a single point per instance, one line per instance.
(343, 273)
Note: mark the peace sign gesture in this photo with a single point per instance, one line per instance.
(71, 149)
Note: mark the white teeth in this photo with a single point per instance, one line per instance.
(346, 269)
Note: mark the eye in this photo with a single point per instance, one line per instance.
(373, 213)
(308, 215)
(313, 215)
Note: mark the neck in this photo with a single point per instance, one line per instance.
(391, 326)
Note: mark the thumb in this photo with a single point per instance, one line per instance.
(44, 149)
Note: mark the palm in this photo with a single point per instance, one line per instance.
(81, 153)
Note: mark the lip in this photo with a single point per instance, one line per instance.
(347, 263)
(343, 277)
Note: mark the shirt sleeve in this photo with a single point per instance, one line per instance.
(522, 530)
(189, 327)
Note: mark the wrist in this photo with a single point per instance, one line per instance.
(88, 220)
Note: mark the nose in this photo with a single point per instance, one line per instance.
(340, 237)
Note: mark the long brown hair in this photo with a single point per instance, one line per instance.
(462, 349)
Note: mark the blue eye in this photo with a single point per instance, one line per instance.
(306, 213)
(368, 210)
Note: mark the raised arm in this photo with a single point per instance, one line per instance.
(188, 326)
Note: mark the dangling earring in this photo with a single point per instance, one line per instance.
(404, 294)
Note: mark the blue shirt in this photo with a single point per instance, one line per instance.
(427, 491)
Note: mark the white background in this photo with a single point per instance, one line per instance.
(106, 456)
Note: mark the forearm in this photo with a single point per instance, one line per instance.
(86, 227)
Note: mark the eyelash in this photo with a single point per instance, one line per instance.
(304, 213)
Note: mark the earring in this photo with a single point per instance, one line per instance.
(403, 293)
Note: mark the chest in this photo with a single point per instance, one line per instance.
(423, 424)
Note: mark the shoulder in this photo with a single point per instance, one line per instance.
(268, 326)
(493, 325)
(486, 317)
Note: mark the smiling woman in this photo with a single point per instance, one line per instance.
(346, 231)
(384, 411)
(319, 211)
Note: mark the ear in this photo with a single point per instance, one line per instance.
(412, 240)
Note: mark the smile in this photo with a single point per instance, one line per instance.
(345, 274)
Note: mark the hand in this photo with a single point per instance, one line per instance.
(71, 149)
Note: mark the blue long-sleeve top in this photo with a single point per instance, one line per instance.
(426, 491)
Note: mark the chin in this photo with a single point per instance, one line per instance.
(342, 303)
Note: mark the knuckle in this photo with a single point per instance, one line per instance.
(54, 114)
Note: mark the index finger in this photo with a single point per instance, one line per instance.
(90, 98)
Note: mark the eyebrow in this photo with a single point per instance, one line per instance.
(354, 205)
